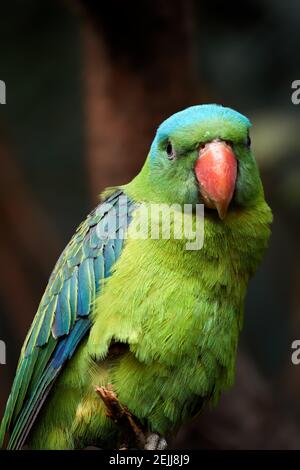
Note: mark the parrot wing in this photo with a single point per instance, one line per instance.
(63, 316)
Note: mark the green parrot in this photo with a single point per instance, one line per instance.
(153, 320)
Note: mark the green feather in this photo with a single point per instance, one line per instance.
(174, 314)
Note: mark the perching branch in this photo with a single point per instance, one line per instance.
(131, 428)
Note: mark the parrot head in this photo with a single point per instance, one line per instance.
(203, 155)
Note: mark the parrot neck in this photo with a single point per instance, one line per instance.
(231, 250)
(139, 188)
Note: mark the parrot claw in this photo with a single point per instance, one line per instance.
(131, 426)
(121, 416)
(155, 442)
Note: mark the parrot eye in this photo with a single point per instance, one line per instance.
(248, 141)
(170, 151)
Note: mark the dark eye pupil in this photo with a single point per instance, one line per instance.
(170, 152)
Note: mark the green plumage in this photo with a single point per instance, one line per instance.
(178, 312)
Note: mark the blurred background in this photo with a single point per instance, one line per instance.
(87, 84)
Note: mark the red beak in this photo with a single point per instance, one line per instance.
(216, 170)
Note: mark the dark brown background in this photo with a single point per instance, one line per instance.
(87, 85)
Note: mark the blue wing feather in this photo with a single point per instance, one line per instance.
(62, 319)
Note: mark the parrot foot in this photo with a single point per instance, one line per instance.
(132, 429)
(155, 442)
(121, 416)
